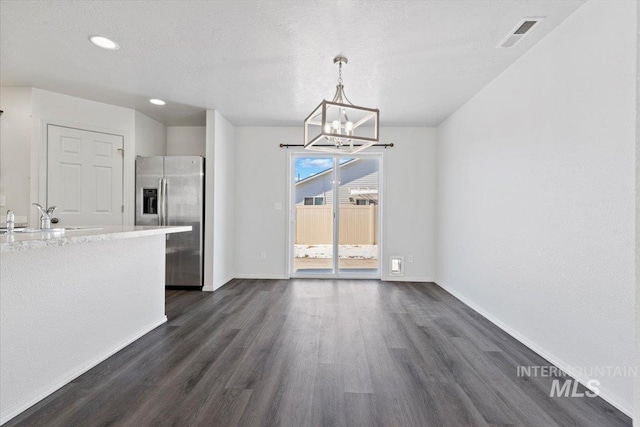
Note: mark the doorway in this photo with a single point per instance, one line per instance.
(335, 215)
(84, 176)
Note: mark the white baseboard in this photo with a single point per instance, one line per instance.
(28, 402)
(609, 396)
(385, 279)
(261, 276)
(406, 279)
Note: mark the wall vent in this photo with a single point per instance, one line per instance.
(518, 33)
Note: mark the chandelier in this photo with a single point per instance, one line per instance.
(338, 126)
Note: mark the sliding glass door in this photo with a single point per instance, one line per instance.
(313, 251)
(335, 208)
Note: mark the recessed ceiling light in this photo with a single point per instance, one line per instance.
(104, 42)
(157, 101)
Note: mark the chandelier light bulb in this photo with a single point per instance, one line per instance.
(348, 127)
(336, 126)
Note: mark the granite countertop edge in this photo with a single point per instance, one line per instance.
(20, 242)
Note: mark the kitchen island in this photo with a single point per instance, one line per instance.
(70, 300)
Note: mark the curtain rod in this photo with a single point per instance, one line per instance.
(330, 145)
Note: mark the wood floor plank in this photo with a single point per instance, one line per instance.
(329, 402)
(223, 408)
(361, 410)
(440, 403)
(353, 355)
(284, 395)
(398, 402)
(187, 409)
(318, 353)
(329, 345)
(254, 359)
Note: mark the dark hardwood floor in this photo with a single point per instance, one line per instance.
(318, 353)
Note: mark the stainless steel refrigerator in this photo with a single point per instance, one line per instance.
(170, 191)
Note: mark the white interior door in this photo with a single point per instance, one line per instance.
(84, 176)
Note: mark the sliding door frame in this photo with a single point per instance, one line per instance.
(291, 215)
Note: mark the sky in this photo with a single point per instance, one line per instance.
(307, 166)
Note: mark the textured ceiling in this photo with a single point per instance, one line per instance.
(268, 62)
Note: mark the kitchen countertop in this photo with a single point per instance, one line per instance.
(19, 242)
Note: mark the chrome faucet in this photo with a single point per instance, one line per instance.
(11, 221)
(45, 216)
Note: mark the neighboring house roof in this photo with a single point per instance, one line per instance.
(359, 180)
(317, 174)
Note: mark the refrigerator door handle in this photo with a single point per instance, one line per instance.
(165, 206)
(160, 202)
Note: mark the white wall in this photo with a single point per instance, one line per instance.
(209, 181)
(150, 136)
(409, 201)
(15, 149)
(261, 182)
(535, 192)
(186, 140)
(636, 414)
(219, 201)
(224, 196)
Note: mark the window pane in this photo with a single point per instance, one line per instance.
(358, 215)
(313, 238)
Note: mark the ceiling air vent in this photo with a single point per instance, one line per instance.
(518, 33)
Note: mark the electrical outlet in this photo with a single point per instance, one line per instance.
(263, 256)
(409, 258)
(277, 206)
